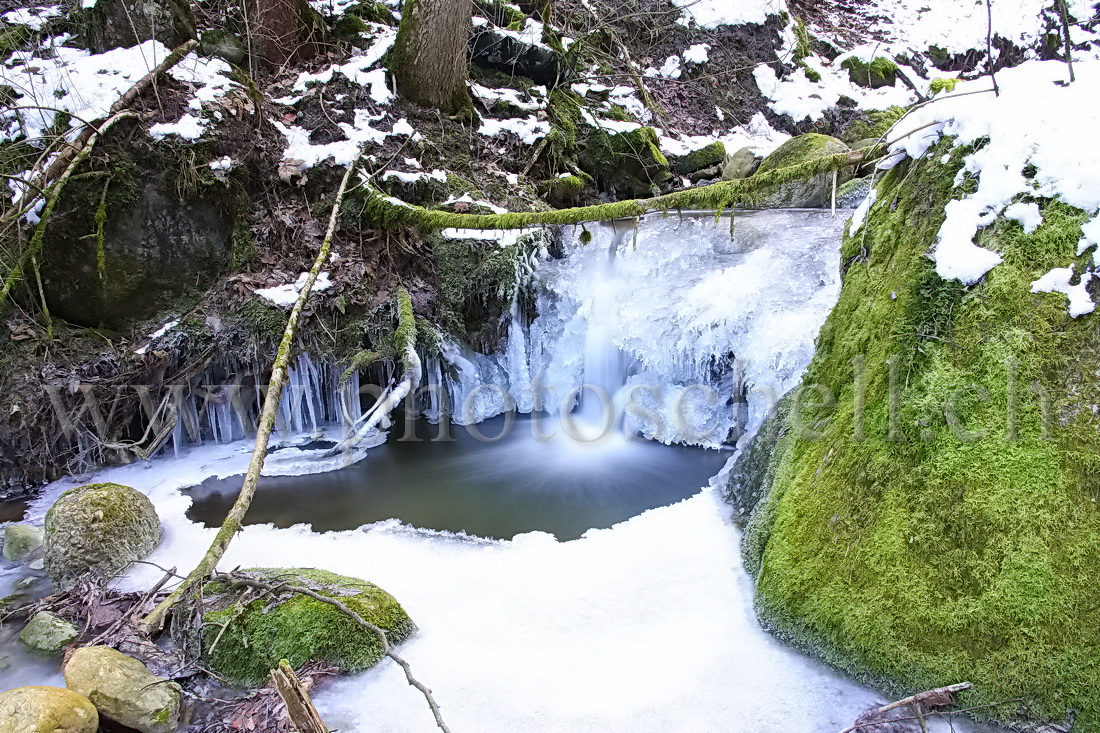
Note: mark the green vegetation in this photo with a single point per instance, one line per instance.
(942, 85)
(630, 162)
(803, 50)
(259, 634)
(12, 39)
(879, 72)
(872, 125)
(697, 160)
(797, 151)
(953, 533)
(715, 197)
(372, 11)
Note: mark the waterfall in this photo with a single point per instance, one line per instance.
(694, 326)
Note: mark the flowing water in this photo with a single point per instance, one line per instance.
(586, 582)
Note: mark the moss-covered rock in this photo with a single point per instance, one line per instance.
(372, 11)
(873, 74)
(100, 527)
(814, 190)
(941, 522)
(299, 628)
(47, 634)
(871, 125)
(47, 710)
(21, 541)
(628, 163)
(124, 690)
(706, 157)
(563, 190)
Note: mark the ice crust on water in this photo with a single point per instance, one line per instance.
(680, 302)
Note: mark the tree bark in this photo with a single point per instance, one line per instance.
(430, 57)
(282, 31)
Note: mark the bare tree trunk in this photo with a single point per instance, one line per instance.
(430, 58)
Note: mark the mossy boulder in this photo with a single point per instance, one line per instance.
(100, 527)
(48, 634)
(705, 157)
(874, 74)
(871, 125)
(812, 191)
(124, 690)
(296, 627)
(372, 11)
(47, 710)
(630, 164)
(938, 520)
(563, 190)
(21, 541)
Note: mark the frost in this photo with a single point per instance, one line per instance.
(1057, 281)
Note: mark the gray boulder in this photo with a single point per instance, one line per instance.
(101, 527)
(124, 690)
(21, 541)
(851, 194)
(803, 192)
(738, 165)
(48, 634)
(47, 710)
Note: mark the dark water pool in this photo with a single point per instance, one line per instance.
(498, 489)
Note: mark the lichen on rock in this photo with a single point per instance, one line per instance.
(260, 632)
(47, 634)
(42, 709)
(124, 690)
(100, 527)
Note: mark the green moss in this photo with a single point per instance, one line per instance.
(629, 162)
(803, 50)
(896, 545)
(797, 151)
(563, 189)
(383, 211)
(298, 628)
(879, 72)
(942, 85)
(503, 14)
(477, 282)
(372, 11)
(12, 39)
(266, 323)
(697, 160)
(405, 334)
(872, 125)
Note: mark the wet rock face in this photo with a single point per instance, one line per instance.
(154, 255)
(101, 527)
(47, 710)
(47, 634)
(21, 541)
(124, 690)
(124, 23)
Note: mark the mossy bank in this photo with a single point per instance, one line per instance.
(930, 511)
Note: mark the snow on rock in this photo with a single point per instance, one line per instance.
(1034, 121)
(156, 335)
(509, 96)
(436, 175)
(503, 237)
(285, 296)
(716, 13)
(758, 135)
(801, 99)
(1057, 281)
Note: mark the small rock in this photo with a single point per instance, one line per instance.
(739, 165)
(101, 527)
(21, 541)
(48, 634)
(124, 690)
(47, 710)
(812, 191)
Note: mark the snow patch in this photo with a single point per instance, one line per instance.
(1057, 281)
(285, 296)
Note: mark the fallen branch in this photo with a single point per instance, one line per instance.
(232, 524)
(234, 579)
(939, 697)
(299, 708)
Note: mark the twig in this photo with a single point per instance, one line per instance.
(279, 374)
